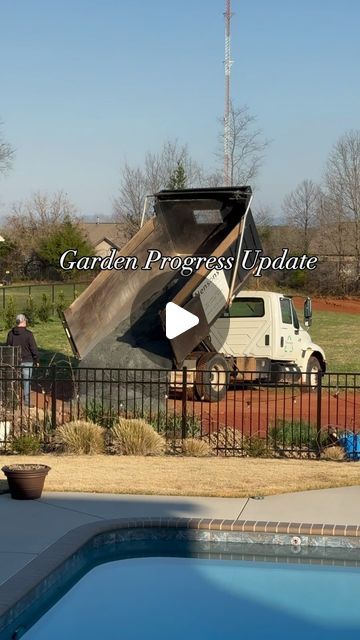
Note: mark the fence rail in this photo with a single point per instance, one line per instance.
(253, 418)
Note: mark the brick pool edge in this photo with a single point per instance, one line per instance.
(20, 591)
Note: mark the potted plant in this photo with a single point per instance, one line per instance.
(26, 481)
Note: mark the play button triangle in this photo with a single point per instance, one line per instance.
(178, 320)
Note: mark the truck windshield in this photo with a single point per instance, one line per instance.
(295, 316)
(247, 308)
(288, 312)
(285, 306)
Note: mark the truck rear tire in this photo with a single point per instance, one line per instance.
(212, 377)
(312, 371)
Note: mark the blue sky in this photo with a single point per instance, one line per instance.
(85, 85)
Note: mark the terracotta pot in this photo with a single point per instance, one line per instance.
(26, 481)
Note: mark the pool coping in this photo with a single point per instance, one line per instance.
(16, 591)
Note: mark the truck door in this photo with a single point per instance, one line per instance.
(289, 335)
(249, 329)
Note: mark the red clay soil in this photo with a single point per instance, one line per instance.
(339, 305)
(256, 410)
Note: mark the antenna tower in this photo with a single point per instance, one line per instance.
(227, 67)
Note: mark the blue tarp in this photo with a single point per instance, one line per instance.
(351, 443)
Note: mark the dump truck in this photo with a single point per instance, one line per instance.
(238, 332)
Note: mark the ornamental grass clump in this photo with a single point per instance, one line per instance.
(81, 437)
(135, 437)
(335, 453)
(196, 448)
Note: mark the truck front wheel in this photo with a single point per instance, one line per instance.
(212, 377)
(312, 371)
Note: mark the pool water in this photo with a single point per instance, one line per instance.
(176, 598)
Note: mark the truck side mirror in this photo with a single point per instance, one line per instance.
(308, 312)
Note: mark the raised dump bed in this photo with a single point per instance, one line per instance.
(118, 321)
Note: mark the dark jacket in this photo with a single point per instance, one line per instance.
(22, 337)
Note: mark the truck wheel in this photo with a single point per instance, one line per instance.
(312, 370)
(212, 377)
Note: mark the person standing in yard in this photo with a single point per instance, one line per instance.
(20, 336)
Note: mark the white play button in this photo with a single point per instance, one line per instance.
(178, 320)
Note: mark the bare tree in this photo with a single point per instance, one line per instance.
(128, 206)
(247, 146)
(214, 179)
(156, 174)
(32, 220)
(159, 167)
(332, 242)
(300, 209)
(343, 189)
(6, 154)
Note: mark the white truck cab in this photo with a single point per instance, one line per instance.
(258, 336)
(262, 329)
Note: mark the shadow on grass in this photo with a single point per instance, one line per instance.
(48, 358)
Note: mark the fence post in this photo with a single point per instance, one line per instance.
(3, 298)
(318, 411)
(53, 396)
(184, 404)
(53, 298)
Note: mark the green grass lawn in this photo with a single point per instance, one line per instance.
(339, 335)
(21, 293)
(50, 338)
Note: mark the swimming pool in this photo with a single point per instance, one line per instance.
(163, 598)
(188, 578)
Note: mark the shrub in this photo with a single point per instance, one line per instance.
(45, 309)
(81, 437)
(96, 412)
(255, 446)
(135, 437)
(62, 236)
(26, 444)
(196, 448)
(335, 453)
(170, 425)
(10, 313)
(30, 311)
(296, 434)
(60, 303)
(227, 439)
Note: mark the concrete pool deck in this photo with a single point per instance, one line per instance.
(27, 528)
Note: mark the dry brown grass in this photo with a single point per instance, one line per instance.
(183, 476)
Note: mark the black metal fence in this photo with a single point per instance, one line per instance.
(64, 292)
(285, 417)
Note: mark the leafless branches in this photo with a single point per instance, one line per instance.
(300, 211)
(247, 146)
(137, 182)
(343, 188)
(6, 154)
(31, 220)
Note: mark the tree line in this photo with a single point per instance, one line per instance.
(324, 219)
(317, 219)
